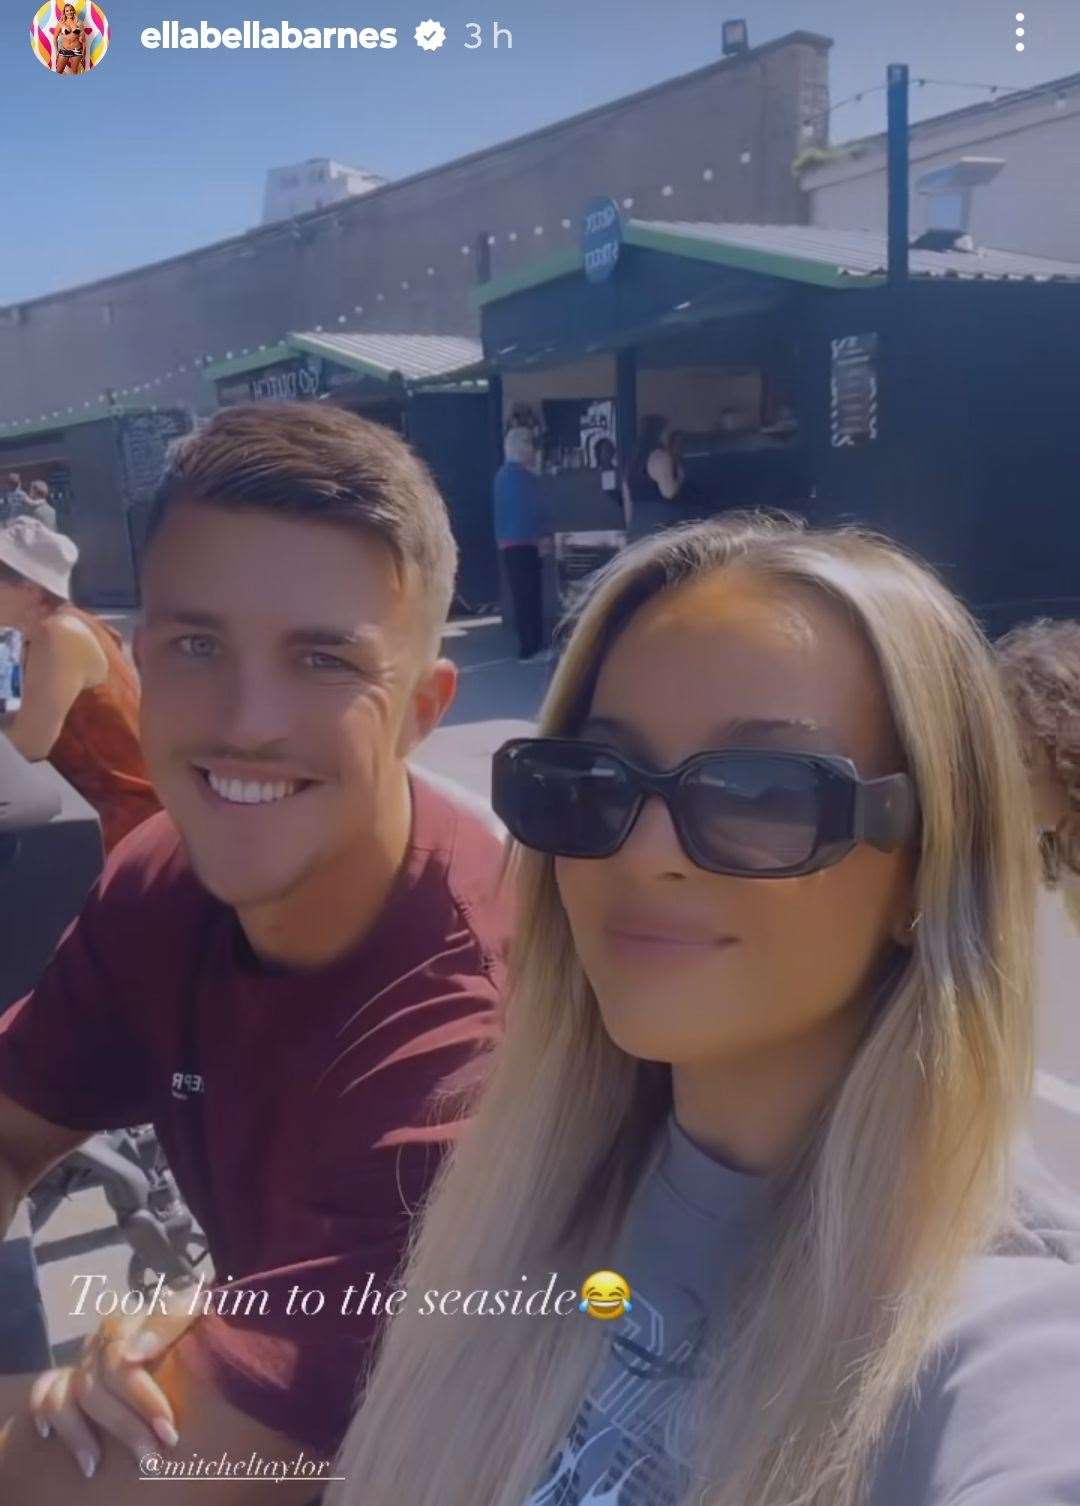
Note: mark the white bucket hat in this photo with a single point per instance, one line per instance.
(42, 556)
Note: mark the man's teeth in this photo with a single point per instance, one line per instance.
(250, 792)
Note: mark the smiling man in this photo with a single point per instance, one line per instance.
(295, 970)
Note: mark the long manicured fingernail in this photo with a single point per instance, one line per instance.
(166, 1432)
(87, 1462)
(142, 1346)
(42, 1426)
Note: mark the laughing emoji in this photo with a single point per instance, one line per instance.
(605, 1295)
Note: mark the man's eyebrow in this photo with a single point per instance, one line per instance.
(739, 730)
(186, 617)
(303, 637)
(334, 637)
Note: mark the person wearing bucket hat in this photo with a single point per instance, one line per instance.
(80, 696)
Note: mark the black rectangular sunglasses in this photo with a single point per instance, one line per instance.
(740, 812)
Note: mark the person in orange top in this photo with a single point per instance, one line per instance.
(80, 696)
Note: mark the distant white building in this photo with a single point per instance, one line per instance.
(1030, 203)
(313, 185)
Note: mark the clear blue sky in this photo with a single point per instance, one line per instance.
(157, 152)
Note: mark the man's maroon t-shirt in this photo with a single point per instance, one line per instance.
(295, 1109)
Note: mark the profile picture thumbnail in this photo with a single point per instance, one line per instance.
(70, 37)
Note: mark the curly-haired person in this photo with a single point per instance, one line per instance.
(1040, 662)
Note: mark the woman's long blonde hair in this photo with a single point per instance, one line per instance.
(902, 1177)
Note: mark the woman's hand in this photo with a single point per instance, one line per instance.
(110, 1389)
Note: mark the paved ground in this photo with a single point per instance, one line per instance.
(498, 699)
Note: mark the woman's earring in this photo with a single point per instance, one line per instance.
(914, 923)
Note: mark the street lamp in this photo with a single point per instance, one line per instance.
(736, 38)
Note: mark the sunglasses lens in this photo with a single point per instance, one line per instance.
(563, 799)
(753, 815)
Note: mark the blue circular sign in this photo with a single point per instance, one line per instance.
(601, 237)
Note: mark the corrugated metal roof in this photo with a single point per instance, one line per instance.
(796, 250)
(416, 357)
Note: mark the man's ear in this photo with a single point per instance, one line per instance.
(431, 699)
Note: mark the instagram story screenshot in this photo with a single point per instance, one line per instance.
(540, 753)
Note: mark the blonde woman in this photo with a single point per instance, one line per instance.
(71, 38)
(1040, 662)
(767, 1051)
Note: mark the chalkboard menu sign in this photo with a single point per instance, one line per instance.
(144, 438)
(853, 409)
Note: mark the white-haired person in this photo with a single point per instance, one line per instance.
(80, 694)
(768, 1053)
(522, 528)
